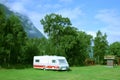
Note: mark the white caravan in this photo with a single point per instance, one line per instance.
(50, 62)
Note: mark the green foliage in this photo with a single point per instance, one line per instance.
(84, 41)
(12, 39)
(53, 24)
(114, 49)
(66, 40)
(100, 47)
(63, 40)
(30, 50)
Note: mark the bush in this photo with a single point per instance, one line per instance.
(89, 61)
(16, 66)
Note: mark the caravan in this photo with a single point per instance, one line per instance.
(50, 62)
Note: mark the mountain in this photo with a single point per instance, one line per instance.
(30, 29)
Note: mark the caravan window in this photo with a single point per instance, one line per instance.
(53, 61)
(37, 60)
(62, 61)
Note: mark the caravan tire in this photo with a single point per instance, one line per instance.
(44, 69)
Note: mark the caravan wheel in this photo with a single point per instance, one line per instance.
(44, 69)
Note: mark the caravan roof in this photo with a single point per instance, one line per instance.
(46, 56)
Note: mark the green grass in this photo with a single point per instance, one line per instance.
(77, 73)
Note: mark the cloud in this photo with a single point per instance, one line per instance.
(2, 1)
(72, 13)
(35, 18)
(50, 6)
(93, 33)
(66, 1)
(18, 7)
(111, 20)
(108, 16)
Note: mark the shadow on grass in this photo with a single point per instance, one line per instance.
(68, 70)
(17, 66)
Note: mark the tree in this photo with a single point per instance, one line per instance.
(84, 46)
(68, 40)
(114, 49)
(76, 45)
(44, 46)
(31, 49)
(100, 47)
(2, 27)
(12, 38)
(54, 25)
(65, 40)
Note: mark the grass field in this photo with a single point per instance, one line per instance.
(77, 73)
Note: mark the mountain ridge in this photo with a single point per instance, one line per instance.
(30, 29)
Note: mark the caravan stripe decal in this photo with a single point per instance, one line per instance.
(39, 66)
(46, 67)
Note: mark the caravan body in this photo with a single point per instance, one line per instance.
(50, 62)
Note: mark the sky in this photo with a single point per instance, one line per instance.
(86, 15)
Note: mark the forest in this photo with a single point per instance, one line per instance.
(63, 39)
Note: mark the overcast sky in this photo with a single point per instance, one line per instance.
(86, 15)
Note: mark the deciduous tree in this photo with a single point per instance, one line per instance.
(114, 49)
(12, 38)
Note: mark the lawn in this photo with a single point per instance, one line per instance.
(77, 73)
